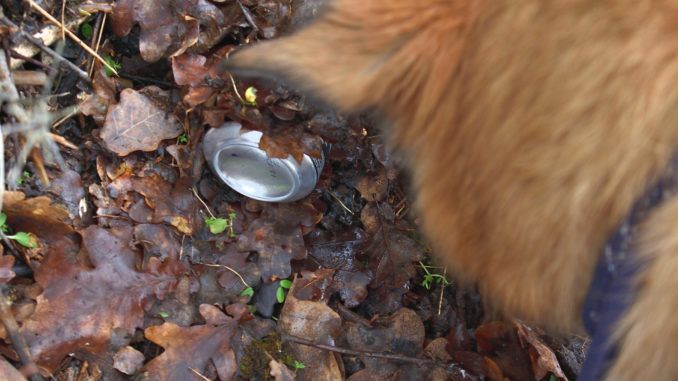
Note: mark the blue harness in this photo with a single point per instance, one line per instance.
(612, 290)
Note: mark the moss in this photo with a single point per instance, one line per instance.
(254, 365)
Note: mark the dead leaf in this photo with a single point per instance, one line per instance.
(193, 347)
(280, 372)
(8, 372)
(6, 264)
(128, 360)
(96, 105)
(80, 305)
(338, 252)
(392, 253)
(277, 237)
(499, 342)
(157, 241)
(402, 333)
(543, 359)
(315, 322)
(137, 124)
(169, 27)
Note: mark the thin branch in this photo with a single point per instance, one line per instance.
(73, 37)
(350, 352)
(16, 337)
(195, 193)
(248, 16)
(229, 269)
(40, 45)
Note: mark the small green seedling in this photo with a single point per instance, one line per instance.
(430, 278)
(252, 309)
(298, 365)
(22, 238)
(249, 291)
(113, 63)
(163, 315)
(25, 176)
(285, 284)
(86, 30)
(182, 139)
(219, 225)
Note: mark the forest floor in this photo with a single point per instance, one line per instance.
(125, 258)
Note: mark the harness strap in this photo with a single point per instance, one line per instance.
(612, 289)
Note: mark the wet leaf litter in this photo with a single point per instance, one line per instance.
(127, 277)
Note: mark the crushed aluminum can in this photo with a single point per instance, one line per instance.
(237, 160)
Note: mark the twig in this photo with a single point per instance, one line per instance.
(200, 375)
(350, 352)
(56, 56)
(202, 202)
(229, 269)
(99, 27)
(73, 37)
(63, 141)
(442, 290)
(63, 19)
(32, 60)
(341, 203)
(16, 337)
(248, 16)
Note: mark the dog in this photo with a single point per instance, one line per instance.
(531, 128)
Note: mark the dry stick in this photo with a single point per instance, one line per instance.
(442, 290)
(248, 16)
(350, 352)
(72, 36)
(16, 337)
(63, 19)
(37, 42)
(99, 29)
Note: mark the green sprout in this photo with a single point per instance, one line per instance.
(22, 238)
(249, 291)
(26, 175)
(163, 315)
(182, 139)
(113, 63)
(285, 284)
(298, 365)
(219, 225)
(86, 30)
(429, 278)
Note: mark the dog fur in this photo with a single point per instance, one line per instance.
(530, 127)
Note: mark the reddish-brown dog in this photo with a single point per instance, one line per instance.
(530, 127)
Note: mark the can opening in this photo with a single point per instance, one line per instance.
(253, 174)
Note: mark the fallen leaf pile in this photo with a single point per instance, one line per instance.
(122, 278)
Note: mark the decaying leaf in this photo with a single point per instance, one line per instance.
(543, 359)
(80, 305)
(277, 237)
(6, 273)
(315, 322)
(137, 124)
(193, 347)
(169, 27)
(8, 372)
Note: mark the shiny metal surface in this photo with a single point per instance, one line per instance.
(237, 160)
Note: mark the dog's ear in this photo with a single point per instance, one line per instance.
(361, 53)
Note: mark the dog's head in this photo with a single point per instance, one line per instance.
(361, 54)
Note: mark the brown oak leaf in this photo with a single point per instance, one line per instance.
(190, 348)
(80, 305)
(137, 124)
